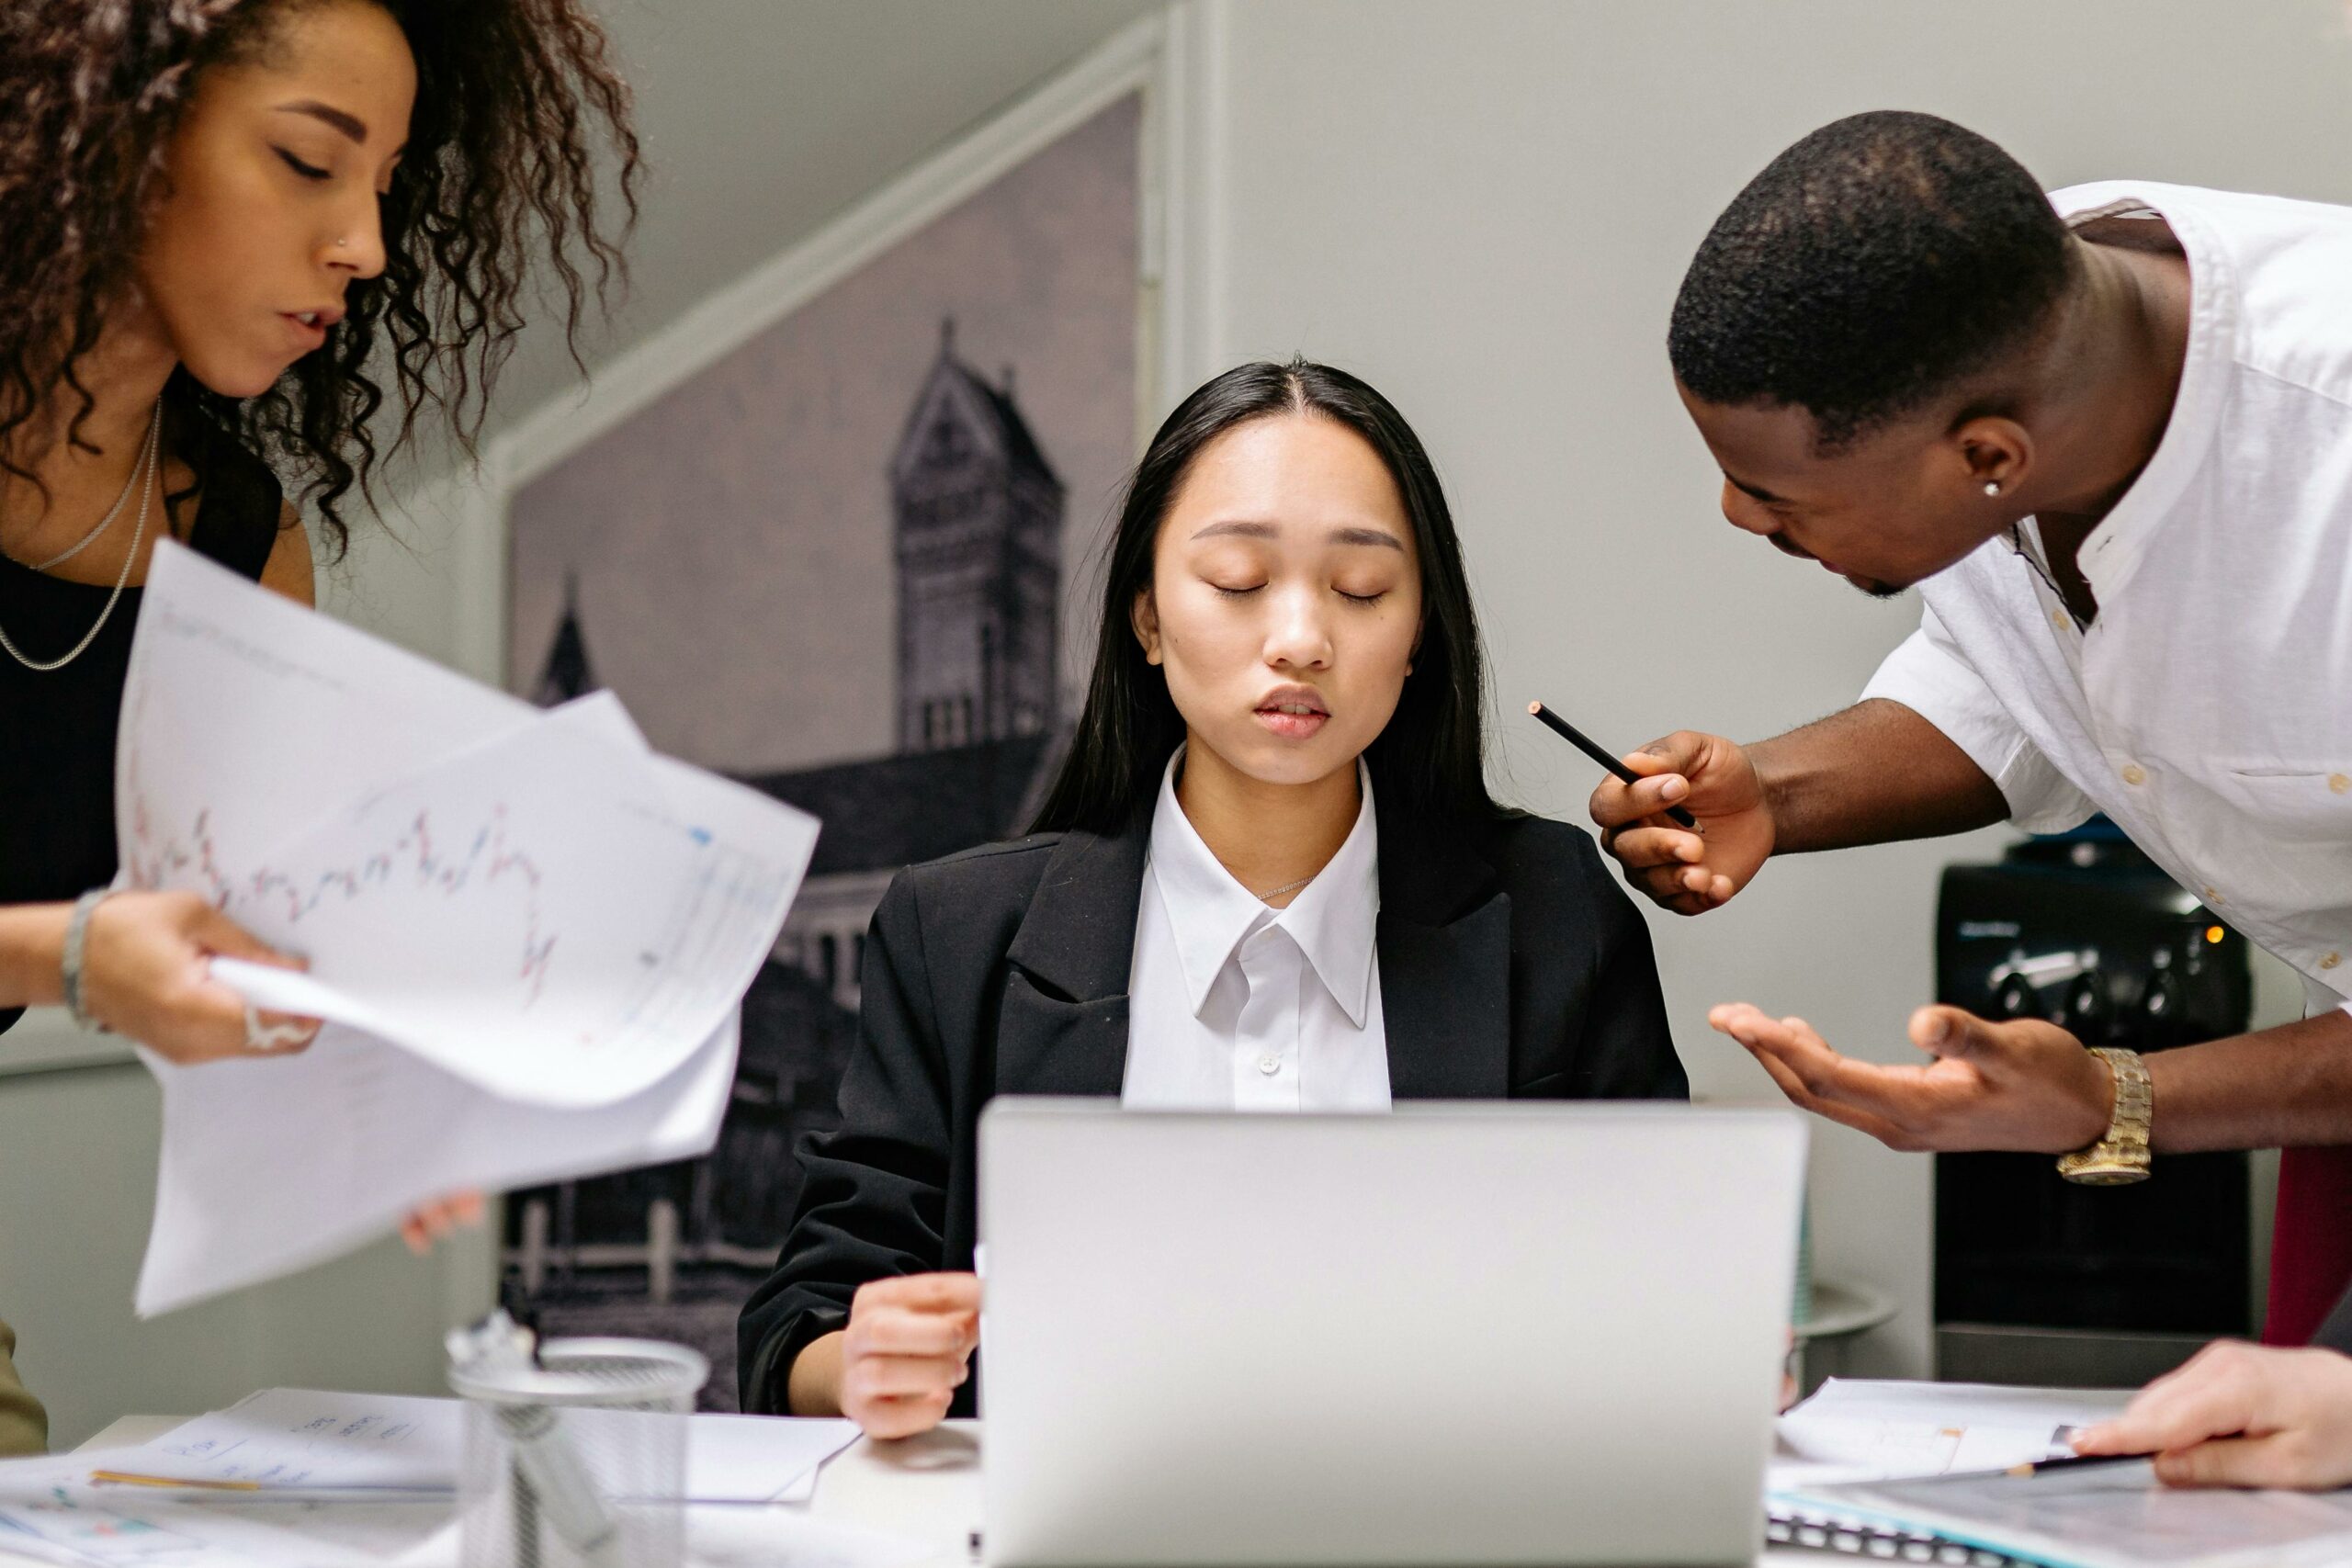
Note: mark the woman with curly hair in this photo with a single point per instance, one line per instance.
(244, 244)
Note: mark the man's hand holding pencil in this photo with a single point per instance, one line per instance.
(1689, 870)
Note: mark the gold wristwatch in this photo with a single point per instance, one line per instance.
(2121, 1156)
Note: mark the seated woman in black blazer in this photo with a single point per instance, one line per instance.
(1270, 876)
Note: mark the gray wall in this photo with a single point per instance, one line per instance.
(1485, 209)
(77, 1158)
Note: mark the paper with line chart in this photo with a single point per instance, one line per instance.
(517, 900)
(530, 933)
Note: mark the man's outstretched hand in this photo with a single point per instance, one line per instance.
(2023, 1084)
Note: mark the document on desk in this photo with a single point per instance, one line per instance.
(529, 933)
(2107, 1516)
(1855, 1430)
(1928, 1458)
(291, 1441)
(365, 1478)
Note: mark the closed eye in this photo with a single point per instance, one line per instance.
(1362, 598)
(307, 170)
(1236, 593)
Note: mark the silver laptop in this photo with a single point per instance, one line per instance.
(1453, 1334)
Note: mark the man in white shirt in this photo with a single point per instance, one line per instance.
(2108, 435)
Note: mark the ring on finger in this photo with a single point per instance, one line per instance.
(264, 1038)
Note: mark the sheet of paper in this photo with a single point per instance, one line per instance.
(527, 904)
(1866, 1430)
(306, 1437)
(2116, 1516)
(759, 1458)
(85, 1530)
(349, 1136)
(505, 910)
(314, 1439)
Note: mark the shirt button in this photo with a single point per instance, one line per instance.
(2134, 774)
(2209, 895)
(2330, 960)
(1270, 1065)
(2338, 784)
(2060, 619)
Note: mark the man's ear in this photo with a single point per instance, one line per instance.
(1995, 454)
(1145, 617)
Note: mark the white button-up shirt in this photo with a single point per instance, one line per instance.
(1236, 1006)
(2207, 708)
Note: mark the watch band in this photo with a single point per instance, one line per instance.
(77, 936)
(2121, 1156)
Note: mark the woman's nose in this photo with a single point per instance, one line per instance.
(357, 246)
(1300, 634)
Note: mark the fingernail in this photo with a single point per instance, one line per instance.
(1673, 789)
(1938, 1027)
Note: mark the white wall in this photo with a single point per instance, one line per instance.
(1485, 209)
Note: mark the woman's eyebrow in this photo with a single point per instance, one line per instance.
(1244, 530)
(1239, 530)
(351, 125)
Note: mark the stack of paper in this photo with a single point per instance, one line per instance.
(312, 1476)
(1855, 1430)
(529, 933)
(1923, 1467)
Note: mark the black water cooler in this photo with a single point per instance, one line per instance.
(2039, 1281)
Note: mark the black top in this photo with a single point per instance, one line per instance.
(1511, 966)
(57, 727)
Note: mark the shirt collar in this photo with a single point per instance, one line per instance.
(2113, 549)
(1334, 919)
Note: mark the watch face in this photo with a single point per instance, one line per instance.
(2091, 1168)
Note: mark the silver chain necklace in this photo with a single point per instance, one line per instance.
(1285, 887)
(129, 483)
(142, 473)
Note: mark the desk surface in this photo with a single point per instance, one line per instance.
(927, 1487)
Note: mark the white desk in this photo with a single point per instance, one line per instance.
(928, 1487)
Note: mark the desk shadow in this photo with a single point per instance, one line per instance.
(940, 1448)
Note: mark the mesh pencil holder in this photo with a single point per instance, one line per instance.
(578, 1461)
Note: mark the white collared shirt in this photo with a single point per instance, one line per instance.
(1236, 1006)
(2208, 709)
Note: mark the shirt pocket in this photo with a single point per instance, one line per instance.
(2298, 806)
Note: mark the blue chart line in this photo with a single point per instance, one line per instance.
(413, 858)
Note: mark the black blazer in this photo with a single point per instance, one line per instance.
(1511, 965)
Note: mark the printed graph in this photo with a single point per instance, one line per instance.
(415, 858)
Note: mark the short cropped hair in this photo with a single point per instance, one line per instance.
(1876, 264)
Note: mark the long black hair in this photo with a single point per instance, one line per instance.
(1429, 763)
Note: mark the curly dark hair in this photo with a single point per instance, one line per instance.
(498, 181)
(1877, 264)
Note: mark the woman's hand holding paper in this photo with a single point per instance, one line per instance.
(145, 976)
(2240, 1414)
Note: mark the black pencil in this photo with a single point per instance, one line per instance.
(1583, 743)
(2072, 1461)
